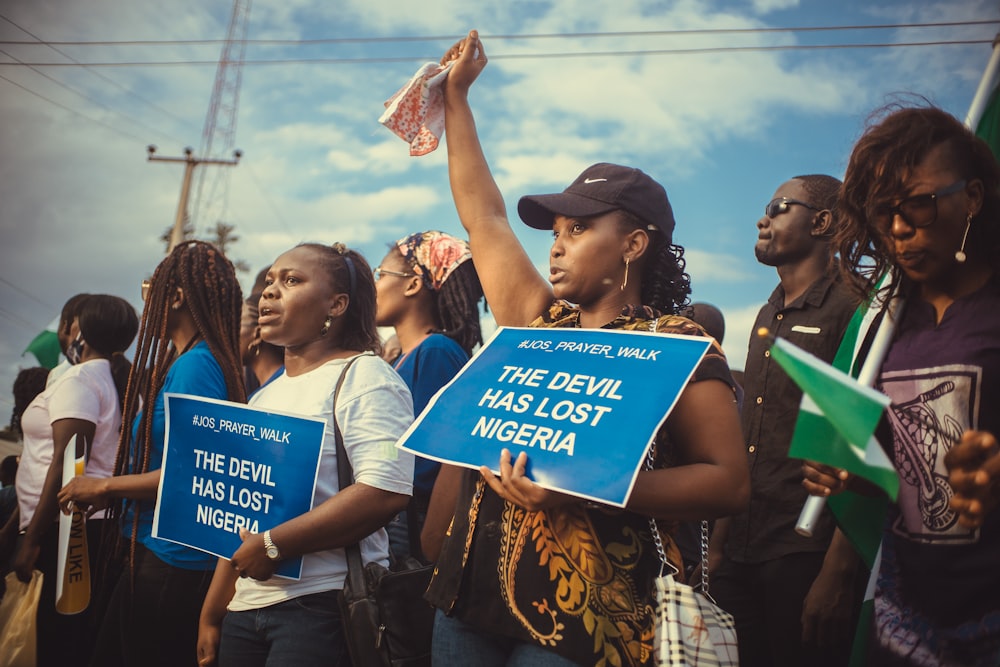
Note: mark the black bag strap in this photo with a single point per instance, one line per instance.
(345, 477)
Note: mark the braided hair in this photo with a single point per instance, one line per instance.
(665, 285)
(213, 298)
(456, 307)
(350, 273)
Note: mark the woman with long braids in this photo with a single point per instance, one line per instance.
(319, 305)
(527, 576)
(84, 402)
(187, 344)
(428, 291)
(921, 201)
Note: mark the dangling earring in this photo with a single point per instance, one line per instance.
(255, 347)
(960, 256)
(326, 326)
(625, 279)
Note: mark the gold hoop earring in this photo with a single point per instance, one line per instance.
(326, 326)
(625, 279)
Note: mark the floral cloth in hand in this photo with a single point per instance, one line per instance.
(416, 112)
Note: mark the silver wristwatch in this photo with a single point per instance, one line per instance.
(270, 548)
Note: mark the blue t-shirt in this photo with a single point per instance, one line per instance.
(425, 369)
(195, 372)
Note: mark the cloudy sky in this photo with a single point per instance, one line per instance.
(708, 96)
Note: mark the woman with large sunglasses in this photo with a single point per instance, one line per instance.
(528, 576)
(921, 200)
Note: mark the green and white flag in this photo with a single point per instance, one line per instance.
(861, 518)
(837, 418)
(45, 346)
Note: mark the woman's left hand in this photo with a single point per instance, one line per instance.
(251, 560)
(514, 486)
(24, 561)
(974, 473)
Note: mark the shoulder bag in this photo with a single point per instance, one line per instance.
(386, 620)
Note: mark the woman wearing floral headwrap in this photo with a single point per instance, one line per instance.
(427, 290)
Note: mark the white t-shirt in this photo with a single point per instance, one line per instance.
(85, 391)
(373, 410)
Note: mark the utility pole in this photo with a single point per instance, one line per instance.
(190, 162)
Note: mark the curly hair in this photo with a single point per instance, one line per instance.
(350, 273)
(896, 141)
(665, 285)
(457, 307)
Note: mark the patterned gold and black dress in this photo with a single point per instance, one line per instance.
(575, 579)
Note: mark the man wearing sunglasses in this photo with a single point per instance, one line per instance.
(792, 596)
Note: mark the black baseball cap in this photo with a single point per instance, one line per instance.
(603, 188)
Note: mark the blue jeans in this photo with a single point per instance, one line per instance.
(301, 632)
(457, 643)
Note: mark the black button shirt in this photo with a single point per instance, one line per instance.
(815, 322)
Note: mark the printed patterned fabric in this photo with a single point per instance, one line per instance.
(576, 579)
(434, 255)
(415, 112)
(690, 630)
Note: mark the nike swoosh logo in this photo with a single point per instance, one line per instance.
(594, 180)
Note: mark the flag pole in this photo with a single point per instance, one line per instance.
(813, 506)
(986, 86)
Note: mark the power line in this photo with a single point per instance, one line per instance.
(114, 129)
(520, 56)
(39, 40)
(26, 293)
(87, 97)
(566, 35)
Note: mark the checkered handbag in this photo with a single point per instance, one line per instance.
(690, 629)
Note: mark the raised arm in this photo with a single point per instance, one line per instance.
(517, 294)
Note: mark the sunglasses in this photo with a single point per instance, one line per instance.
(916, 211)
(780, 205)
(378, 272)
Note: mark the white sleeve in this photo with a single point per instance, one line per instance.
(74, 399)
(374, 410)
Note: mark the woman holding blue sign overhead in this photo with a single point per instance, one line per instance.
(429, 292)
(319, 305)
(530, 576)
(188, 345)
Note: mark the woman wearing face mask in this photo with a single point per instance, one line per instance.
(84, 402)
(921, 200)
(187, 345)
(428, 291)
(319, 305)
(527, 576)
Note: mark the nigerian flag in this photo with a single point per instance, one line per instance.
(817, 437)
(837, 418)
(45, 346)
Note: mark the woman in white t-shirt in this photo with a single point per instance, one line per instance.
(319, 304)
(84, 402)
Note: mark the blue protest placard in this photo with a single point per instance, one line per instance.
(228, 466)
(583, 403)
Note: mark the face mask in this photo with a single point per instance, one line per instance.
(74, 351)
